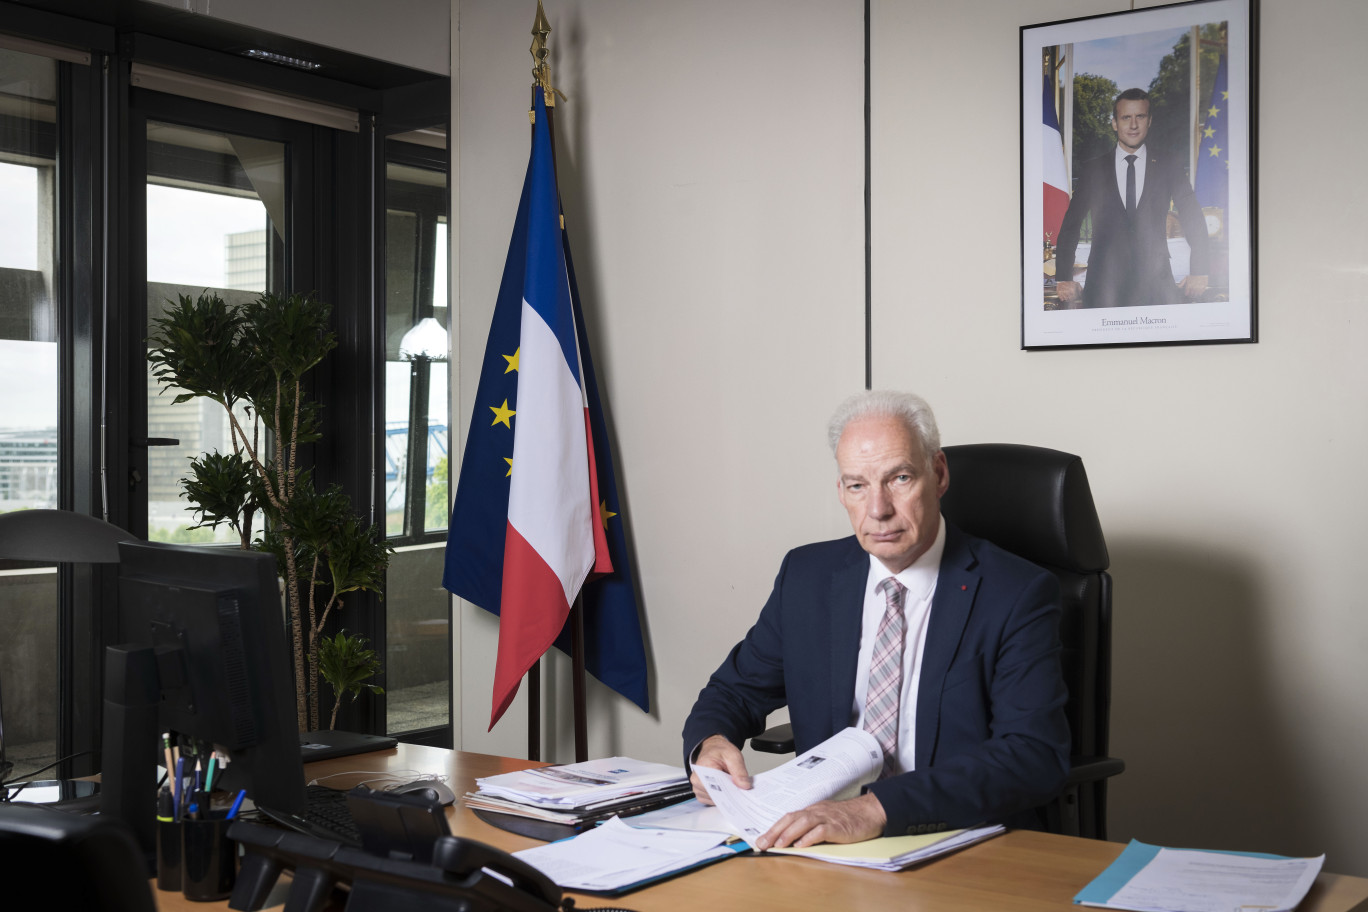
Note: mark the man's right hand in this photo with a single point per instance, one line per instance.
(1069, 292)
(720, 754)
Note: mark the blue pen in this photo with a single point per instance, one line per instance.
(180, 784)
(237, 803)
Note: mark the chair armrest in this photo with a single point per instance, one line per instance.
(1093, 769)
(776, 740)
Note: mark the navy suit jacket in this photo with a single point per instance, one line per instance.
(1129, 260)
(992, 739)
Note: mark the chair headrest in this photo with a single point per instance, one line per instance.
(1031, 501)
(60, 536)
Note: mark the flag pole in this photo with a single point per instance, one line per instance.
(541, 75)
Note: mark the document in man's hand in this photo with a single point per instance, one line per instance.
(836, 768)
(1147, 878)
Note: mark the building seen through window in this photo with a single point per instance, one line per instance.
(30, 453)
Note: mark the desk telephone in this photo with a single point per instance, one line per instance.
(408, 861)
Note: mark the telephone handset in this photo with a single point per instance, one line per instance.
(408, 859)
(465, 857)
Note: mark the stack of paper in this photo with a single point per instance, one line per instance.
(894, 853)
(1149, 879)
(836, 768)
(614, 857)
(578, 792)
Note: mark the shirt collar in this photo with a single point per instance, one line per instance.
(920, 578)
(1122, 153)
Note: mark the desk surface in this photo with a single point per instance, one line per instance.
(1019, 871)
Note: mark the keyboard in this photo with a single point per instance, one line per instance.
(326, 816)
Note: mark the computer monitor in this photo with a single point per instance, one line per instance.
(202, 653)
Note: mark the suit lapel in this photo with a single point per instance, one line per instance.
(1152, 169)
(956, 588)
(846, 598)
(1115, 202)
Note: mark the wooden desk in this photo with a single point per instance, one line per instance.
(1019, 871)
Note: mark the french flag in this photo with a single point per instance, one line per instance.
(553, 539)
(1052, 164)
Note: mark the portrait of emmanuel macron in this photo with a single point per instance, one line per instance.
(1136, 190)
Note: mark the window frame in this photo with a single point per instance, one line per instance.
(100, 282)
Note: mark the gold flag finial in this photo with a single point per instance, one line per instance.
(541, 70)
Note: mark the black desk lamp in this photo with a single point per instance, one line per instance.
(55, 536)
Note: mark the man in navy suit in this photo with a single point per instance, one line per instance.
(1129, 191)
(962, 650)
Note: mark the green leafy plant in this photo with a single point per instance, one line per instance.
(252, 360)
(345, 661)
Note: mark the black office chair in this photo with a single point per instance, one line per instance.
(1036, 503)
(71, 861)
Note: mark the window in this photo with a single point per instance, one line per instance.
(417, 439)
(29, 449)
(135, 167)
(215, 222)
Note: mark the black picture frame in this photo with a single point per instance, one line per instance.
(1191, 131)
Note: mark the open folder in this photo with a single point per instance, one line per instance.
(615, 858)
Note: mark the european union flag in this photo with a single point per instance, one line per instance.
(1212, 184)
(481, 521)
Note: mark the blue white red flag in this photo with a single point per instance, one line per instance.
(1052, 170)
(536, 511)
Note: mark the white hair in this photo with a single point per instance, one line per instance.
(912, 410)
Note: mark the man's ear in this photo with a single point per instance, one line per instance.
(941, 468)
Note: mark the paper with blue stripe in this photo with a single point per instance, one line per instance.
(1283, 880)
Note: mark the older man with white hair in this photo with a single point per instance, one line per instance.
(941, 645)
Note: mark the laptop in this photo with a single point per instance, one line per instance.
(325, 745)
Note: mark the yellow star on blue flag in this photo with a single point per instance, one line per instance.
(502, 414)
(1211, 183)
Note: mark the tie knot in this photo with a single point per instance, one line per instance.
(1130, 159)
(893, 591)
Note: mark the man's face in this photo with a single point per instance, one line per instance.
(1131, 121)
(892, 495)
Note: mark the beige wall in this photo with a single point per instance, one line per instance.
(711, 160)
(711, 163)
(1229, 478)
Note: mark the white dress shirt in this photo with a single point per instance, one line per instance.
(920, 580)
(1139, 173)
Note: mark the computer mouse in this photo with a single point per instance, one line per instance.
(430, 789)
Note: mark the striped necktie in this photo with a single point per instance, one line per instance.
(884, 697)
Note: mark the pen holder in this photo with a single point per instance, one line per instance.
(208, 859)
(168, 855)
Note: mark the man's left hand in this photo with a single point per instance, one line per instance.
(854, 820)
(1193, 286)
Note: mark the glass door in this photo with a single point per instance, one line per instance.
(217, 223)
(417, 441)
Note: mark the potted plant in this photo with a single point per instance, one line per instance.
(252, 361)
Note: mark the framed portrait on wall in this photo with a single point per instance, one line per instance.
(1137, 177)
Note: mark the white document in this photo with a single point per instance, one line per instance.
(615, 855)
(1192, 881)
(687, 815)
(836, 768)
